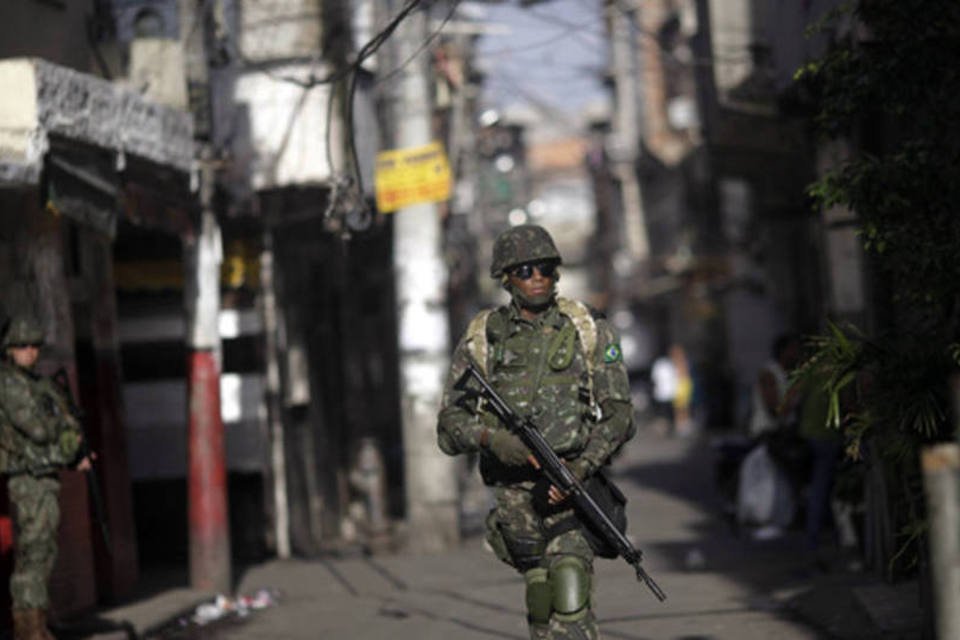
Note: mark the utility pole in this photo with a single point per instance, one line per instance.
(278, 457)
(206, 464)
(625, 147)
(431, 476)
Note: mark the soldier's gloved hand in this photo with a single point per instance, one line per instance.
(490, 421)
(508, 448)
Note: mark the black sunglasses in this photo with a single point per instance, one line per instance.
(525, 271)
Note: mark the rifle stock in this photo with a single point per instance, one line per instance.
(557, 472)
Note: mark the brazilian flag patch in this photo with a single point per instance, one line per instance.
(612, 353)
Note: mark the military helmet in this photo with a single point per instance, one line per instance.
(524, 243)
(23, 330)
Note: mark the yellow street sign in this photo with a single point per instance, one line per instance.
(410, 176)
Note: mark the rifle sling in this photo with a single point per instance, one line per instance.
(570, 523)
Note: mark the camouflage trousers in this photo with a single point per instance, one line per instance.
(36, 516)
(521, 514)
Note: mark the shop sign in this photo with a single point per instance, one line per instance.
(411, 176)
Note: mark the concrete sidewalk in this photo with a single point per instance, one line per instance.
(719, 585)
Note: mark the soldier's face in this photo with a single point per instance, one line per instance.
(534, 281)
(24, 356)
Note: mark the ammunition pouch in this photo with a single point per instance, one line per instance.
(525, 553)
(495, 537)
(613, 503)
(521, 552)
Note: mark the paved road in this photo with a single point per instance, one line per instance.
(719, 586)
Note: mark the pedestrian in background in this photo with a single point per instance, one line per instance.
(38, 438)
(774, 402)
(663, 375)
(683, 398)
(560, 363)
(773, 472)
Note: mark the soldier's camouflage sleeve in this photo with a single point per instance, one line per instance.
(612, 392)
(458, 426)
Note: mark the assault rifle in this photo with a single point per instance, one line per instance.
(62, 388)
(557, 472)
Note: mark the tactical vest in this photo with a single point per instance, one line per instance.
(20, 452)
(578, 313)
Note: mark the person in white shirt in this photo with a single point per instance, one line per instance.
(665, 381)
(774, 403)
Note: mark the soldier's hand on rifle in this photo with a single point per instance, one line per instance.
(509, 449)
(86, 463)
(580, 468)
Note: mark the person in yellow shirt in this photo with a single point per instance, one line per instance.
(683, 398)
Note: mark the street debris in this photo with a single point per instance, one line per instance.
(206, 618)
(226, 607)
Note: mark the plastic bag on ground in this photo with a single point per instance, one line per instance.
(764, 494)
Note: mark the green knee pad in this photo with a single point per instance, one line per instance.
(570, 582)
(539, 595)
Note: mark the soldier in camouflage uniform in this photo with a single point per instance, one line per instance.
(38, 437)
(559, 363)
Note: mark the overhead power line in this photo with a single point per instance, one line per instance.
(346, 188)
(426, 43)
(337, 75)
(348, 116)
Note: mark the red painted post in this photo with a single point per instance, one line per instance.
(203, 256)
(207, 476)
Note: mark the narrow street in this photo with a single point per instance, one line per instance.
(249, 236)
(719, 586)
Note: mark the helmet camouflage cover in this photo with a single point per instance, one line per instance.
(23, 330)
(524, 243)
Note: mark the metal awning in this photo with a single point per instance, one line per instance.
(41, 100)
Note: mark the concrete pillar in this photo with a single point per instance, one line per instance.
(625, 147)
(278, 458)
(430, 476)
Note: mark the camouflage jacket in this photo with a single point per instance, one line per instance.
(540, 368)
(38, 434)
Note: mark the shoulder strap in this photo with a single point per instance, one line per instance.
(476, 339)
(585, 325)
